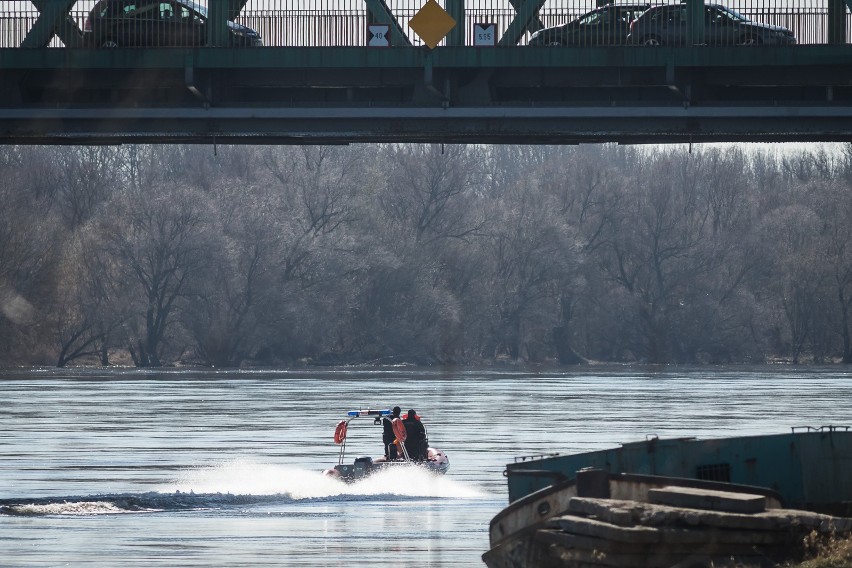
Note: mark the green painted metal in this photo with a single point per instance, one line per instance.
(234, 8)
(808, 469)
(527, 13)
(53, 20)
(563, 60)
(536, 23)
(836, 22)
(455, 8)
(381, 13)
(217, 23)
(695, 22)
(453, 93)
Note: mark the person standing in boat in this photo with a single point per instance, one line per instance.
(416, 443)
(388, 437)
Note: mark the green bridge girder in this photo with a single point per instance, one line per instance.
(341, 95)
(310, 95)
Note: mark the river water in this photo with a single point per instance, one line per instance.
(223, 468)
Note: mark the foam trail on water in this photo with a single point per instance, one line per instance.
(241, 477)
(69, 508)
(247, 483)
(413, 482)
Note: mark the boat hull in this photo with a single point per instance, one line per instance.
(363, 467)
(643, 521)
(809, 470)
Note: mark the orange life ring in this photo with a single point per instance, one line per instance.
(340, 432)
(399, 429)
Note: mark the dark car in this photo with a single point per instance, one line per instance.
(666, 25)
(607, 25)
(156, 23)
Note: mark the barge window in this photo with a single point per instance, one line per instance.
(714, 472)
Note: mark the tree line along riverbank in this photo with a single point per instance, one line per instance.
(151, 255)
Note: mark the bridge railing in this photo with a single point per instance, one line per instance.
(344, 22)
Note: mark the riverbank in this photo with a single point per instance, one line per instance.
(826, 553)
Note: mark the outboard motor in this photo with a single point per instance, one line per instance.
(438, 459)
(363, 465)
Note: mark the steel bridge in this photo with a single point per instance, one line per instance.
(318, 80)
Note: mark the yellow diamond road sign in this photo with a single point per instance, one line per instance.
(432, 23)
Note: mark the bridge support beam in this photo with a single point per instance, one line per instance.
(217, 23)
(455, 8)
(695, 22)
(837, 22)
(526, 18)
(378, 12)
(234, 8)
(53, 19)
(536, 23)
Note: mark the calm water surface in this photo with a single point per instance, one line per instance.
(205, 468)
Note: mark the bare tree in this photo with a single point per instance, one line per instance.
(588, 188)
(85, 176)
(280, 251)
(424, 253)
(90, 300)
(224, 322)
(531, 250)
(157, 238)
(28, 231)
(791, 246)
(833, 253)
(428, 187)
(660, 248)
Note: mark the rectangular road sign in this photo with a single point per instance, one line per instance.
(485, 35)
(378, 35)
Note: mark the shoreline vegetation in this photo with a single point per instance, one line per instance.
(153, 256)
(118, 359)
(828, 553)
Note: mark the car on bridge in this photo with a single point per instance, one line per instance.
(666, 25)
(156, 23)
(607, 25)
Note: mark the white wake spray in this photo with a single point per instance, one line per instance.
(413, 482)
(241, 477)
(79, 508)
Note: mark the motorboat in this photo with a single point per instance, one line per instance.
(436, 460)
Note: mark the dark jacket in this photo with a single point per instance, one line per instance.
(416, 443)
(388, 437)
(387, 430)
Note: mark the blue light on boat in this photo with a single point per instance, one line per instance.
(357, 413)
